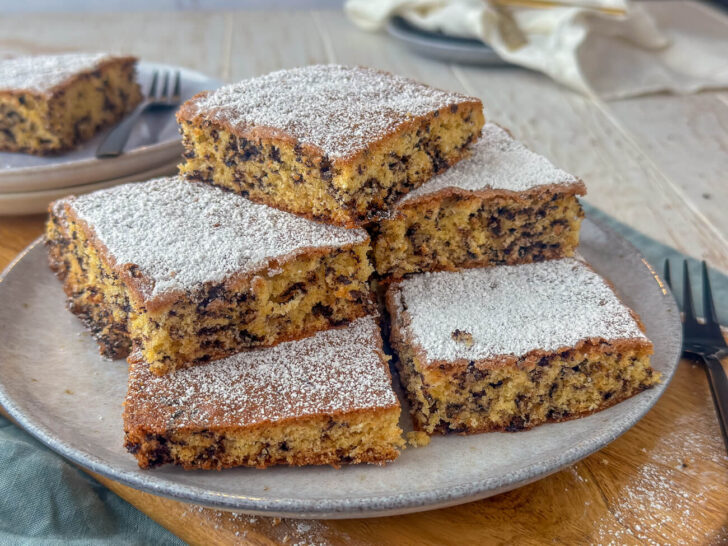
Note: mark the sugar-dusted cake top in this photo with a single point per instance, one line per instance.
(334, 371)
(181, 234)
(489, 313)
(42, 73)
(498, 162)
(339, 109)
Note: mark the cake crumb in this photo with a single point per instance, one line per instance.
(417, 438)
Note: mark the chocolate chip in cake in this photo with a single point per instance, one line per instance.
(461, 336)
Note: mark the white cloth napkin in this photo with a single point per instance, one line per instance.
(609, 48)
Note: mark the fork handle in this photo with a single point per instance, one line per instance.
(114, 142)
(719, 388)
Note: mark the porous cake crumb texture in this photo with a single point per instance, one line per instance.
(335, 143)
(49, 104)
(510, 347)
(462, 231)
(502, 205)
(191, 273)
(324, 399)
(181, 235)
(558, 387)
(498, 163)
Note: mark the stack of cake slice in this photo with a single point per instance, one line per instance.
(240, 290)
(179, 275)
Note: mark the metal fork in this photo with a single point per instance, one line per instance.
(113, 144)
(705, 341)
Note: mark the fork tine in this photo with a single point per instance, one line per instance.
(667, 276)
(688, 308)
(153, 86)
(177, 86)
(708, 305)
(165, 87)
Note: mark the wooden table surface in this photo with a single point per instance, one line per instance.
(657, 163)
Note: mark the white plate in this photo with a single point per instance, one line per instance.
(34, 202)
(154, 141)
(53, 382)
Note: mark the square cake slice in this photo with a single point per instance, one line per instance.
(510, 347)
(334, 143)
(326, 399)
(189, 272)
(49, 104)
(502, 205)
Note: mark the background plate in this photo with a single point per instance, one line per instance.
(53, 382)
(442, 47)
(35, 202)
(154, 141)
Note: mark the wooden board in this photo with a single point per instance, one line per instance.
(663, 482)
(650, 162)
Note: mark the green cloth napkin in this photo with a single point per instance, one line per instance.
(656, 253)
(46, 500)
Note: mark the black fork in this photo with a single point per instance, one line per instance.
(705, 341)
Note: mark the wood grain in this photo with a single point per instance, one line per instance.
(650, 162)
(664, 482)
(191, 40)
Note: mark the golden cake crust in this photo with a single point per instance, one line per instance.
(490, 350)
(141, 265)
(497, 141)
(320, 383)
(578, 188)
(53, 103)
(195, 111)
(327, 142)
(501, 205)
(141, 286)
(401, 333)
(59, 88)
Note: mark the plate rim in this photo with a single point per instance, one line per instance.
(401, 28)
(442, 47)
(367, 505)
(166, 146)
(141, 176)
(13, 199)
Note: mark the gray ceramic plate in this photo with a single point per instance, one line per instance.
(55, 385)
(442, 47)
(154, 142)
(36, 202)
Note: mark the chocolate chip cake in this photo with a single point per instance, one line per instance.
(189, 272)
(510, 347)
(49, 104)
(326, 399)
(334, 143)
(502, 205)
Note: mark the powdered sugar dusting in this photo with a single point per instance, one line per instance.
(513, 310)
(498, 162)
(181, 234)
(682, 471)
(42, 73)
(236, 527)
(341, 110)
(333, 371)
